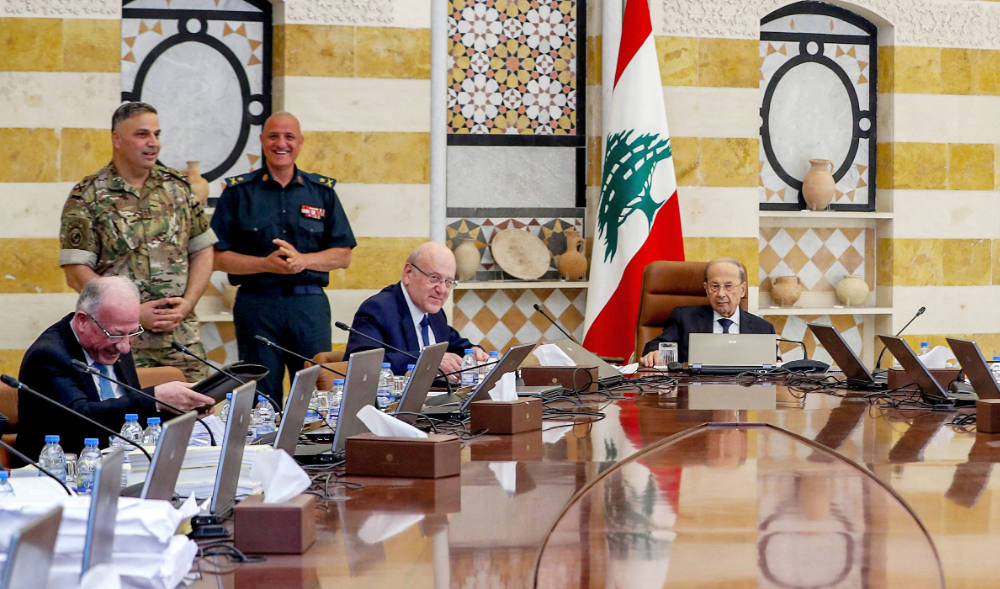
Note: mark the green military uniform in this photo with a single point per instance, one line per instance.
(146, 235)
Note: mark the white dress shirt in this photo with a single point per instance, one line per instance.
(717, 327)
(417, 316)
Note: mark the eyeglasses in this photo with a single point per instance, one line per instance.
(111, 336)
(727, 287)
(436, 279)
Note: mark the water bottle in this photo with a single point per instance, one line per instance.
(6, 491)
(469, 376)
(151, 436)
(335, 398)
(385, 378)
(408, 375)
(263, 417)
(224, 410)
(131, 431)
(52, 458)
(319, 397)
(925, 349)
(486, 367)
(86, 466)
(995, 368)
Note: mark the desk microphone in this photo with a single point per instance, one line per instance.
(555, 323)
(345, 327)
(271, 344)
(188, 352)
(21, 387)
(84, 367)
(805, 364)
(919, 312)
(27, 460)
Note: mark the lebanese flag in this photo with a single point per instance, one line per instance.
(638, 220)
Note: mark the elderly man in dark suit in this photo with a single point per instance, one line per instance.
(408, 314)
(99, 333)
(725, 286)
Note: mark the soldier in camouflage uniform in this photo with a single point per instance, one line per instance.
(138, 219)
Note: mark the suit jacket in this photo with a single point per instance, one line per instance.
(698, 319)
(385, 317)
(47, 368)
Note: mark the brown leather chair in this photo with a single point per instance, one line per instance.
(8, 406)
(666, 285)
(333, 359)
(150, 376)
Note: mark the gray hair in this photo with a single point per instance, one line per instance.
(93, 293)
(739, 264)
(128, 110)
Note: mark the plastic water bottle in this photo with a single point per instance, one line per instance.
(385, 378)
(131, 431)
(925, 349)
(224, 410)
(336, 396)
(995, 368)
(319, 397)
(52, 458)
(409, 374)
(151, 436)
(469, 376)
(86, 466)
(263, 417)
(6, 491)
(486, 367)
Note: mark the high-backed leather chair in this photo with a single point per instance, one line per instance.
(8, 407)
(666, 285)
(334, 360)
(150, 376)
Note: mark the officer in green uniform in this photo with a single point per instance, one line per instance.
(281, 231)
(138, 219)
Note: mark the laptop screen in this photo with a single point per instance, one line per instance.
(103, 510)
(29, 555)
(727, 349)
(842, 354)
(975, 367)
(509, 363)
(168, 458)
(227, 476)
(296, 405)
(360, 389)
(930, 390)
(420, 381)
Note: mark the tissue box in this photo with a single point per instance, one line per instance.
(506, 417)
(988, 416)
(944, 376)
(437, 455)
(527, 446)
(279, 528)
(571, 378)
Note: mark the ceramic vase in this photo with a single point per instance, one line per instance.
(467, 260)
(785, 290)
(572, 264)
(818, 187)
(199, 185)
(852, 291)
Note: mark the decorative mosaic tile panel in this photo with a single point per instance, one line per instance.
(498, 319)
(482, 230)
(819, 256)
(793, 327)
(512, 67)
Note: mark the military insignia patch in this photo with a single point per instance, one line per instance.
(313, 212)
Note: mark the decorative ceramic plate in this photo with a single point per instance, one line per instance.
(520, 253)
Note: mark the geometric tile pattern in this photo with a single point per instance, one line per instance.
(793, 327)
(481, 232)
(819, 256)
(498, 319)
(512, 67)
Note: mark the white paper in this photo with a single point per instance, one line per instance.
(279, 474)
(938, 357)
(384, 425)
(505, 389)
(102, 576)
(628, 368)
(552, 355)
(199, 435)
(506, 475)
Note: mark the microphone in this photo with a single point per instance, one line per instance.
(271, 344)
(27, 460)
(187, 352)
(83, 367)
(919, 312)
(555, 323)
(805, 364)
(345, 327)
(21, 387)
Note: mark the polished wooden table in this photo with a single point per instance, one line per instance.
(705, 484)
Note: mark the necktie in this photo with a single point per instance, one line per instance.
(725, 323)
(425, 325)
(104, 386)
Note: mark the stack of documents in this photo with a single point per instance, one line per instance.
(197, 476)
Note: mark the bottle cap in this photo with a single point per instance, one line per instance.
(411, 366)
(494, 353)
(153, 421)
(922, 344)
(51, 439)
(131, 417)
(3, 475)
(386, 365)
(229, 396)
(90, 442)
(996, 358)
(468, 350)
(339, 381)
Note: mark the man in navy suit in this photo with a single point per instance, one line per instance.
(99, 333)
(408, 314)
(725, 286)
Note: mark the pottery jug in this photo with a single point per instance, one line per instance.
(818, 187)
(785, 290)
(466, 259)
(572, 264)
(199, 185)
(852, 291)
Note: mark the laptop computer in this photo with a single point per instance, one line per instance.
(930, 390)
(29, 555)
(420, 382)
(360, 388)
(857, 375)
(294, 414)
(607, 375)
(100, 538)
(728, 353)
(455, 407)
(975, 367)
(227, 476)
(168, 458)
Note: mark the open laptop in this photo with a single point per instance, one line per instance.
(729, 353)
(227, 476)
(607, 375)
(420, 382)
(167, 458)
(857, 375)
(454, 407)
(930, 390)
(294, 414)
(100, 538)
(360, 388)
(29, 555)
(975, 367)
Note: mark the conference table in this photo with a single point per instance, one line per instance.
(684, 482)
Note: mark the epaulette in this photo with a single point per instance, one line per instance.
(320, 179)
(238, 179)
(167, 170)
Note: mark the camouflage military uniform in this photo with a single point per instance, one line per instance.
(146, 235)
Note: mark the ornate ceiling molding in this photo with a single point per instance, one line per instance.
(61, 8)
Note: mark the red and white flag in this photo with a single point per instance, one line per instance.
(638, 220)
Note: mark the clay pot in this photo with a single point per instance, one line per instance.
(572, 264)
(228, 295)
(199, 185)
(467, 260)
(818, 187)
(785, 290)
(852, 291)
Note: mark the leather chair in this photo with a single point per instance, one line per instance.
(333, 359)
(151, 376)
(666, 285)
(8, 407)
